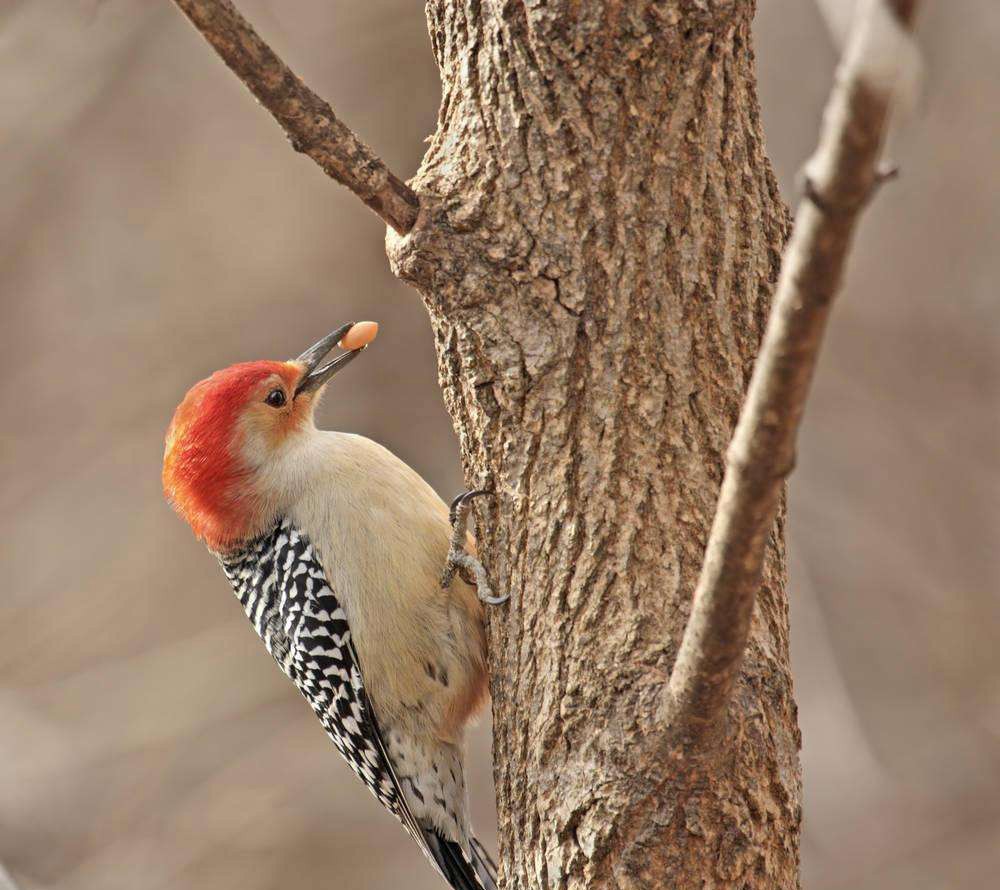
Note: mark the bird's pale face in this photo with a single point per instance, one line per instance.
(271, 413)
(230, 456)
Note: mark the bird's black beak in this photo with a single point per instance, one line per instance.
(316, 375)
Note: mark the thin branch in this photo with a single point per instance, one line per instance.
(309, 121)
(6, 881)
(841, 177)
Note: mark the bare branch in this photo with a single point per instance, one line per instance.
(309, 121)
(6, 881)
(840, 178)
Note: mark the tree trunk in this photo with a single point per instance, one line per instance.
(598, 237)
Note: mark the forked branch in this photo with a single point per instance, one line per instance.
(309, 121)
(841, 177)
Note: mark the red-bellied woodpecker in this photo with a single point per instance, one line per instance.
(335, 548)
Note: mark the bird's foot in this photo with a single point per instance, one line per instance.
(459, 558)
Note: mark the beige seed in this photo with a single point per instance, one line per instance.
(361, 334)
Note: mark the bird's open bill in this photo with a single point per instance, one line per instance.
(315, 375)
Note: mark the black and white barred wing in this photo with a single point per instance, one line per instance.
(285, 594)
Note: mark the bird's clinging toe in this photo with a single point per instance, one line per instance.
(459, 558)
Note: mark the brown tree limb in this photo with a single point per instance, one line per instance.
(6, 881)
(840, 179)
(308, 120)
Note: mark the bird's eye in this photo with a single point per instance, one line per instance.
(275, 398)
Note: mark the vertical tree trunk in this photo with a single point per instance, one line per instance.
(598, 236)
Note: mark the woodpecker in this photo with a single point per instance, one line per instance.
(334, 547)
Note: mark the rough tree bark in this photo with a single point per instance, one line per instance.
(596, 232)
(598, 238)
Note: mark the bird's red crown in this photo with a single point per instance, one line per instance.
(206, 474)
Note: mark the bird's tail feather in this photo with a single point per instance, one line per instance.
(456, 867)
(485, 867)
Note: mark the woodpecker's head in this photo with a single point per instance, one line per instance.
(232, 446)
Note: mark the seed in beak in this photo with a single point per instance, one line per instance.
(360, 334)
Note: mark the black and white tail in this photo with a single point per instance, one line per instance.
(479, 874)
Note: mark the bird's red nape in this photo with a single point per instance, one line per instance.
(205, 477)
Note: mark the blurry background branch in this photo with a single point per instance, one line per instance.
(309, 121)
(6, 881)
(841, 177)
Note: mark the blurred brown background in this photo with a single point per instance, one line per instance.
(155, 226)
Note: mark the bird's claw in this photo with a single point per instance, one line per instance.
(459, 503)
(458, 558)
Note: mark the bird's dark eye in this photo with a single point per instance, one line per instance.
(275, 398)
